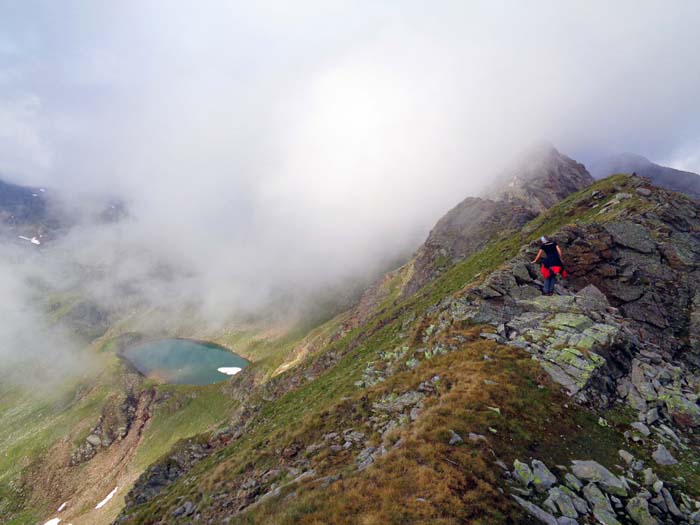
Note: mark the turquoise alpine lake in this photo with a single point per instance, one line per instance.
(183, 361)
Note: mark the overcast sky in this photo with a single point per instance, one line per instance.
(304, 141)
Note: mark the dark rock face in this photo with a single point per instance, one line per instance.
(648, 266)
(541, 179)
(463, 231)
(164, 474)
(116, 421)
(665, 177)
(625, 325)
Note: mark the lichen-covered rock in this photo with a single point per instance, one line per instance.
(563, 502)
(579, 503)
(605, 516)
(594, 471)
(573, 482)
(638, 509)
(537, 512)
(542, 477)
(522, 472)
(662, 456)
(684, 409)
(595, 497)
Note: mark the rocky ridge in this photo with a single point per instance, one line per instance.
(540, 179)
(597, 338)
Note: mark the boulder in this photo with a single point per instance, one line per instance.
(605, 516)
(595, 497)
(579, 503)
(671, 503)
(94, 440)
(638, 509)
(563, 502)
(649, 477)
(542, 477)
(641, 428)
(573, 482)
(537, 512)
(591, 298)
(662, 456)
(626, 456)
(522, 472)
(593, 471)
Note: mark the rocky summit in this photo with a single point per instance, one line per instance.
(452, 392)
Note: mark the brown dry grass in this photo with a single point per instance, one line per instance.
(426, 480)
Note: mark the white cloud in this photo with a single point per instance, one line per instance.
(276, 145)
(24, 152)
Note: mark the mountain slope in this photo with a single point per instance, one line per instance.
(417, 414)
(19, 204)
(538, 180)
(665, 177)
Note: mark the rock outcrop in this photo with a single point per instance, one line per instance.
(590, 493)
(539, 180)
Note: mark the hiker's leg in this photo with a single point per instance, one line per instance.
(548, 285)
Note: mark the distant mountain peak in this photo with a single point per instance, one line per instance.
(669, 178)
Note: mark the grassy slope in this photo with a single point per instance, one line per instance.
(30, 425)
(332, 402)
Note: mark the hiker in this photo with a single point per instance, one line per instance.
(551, 265)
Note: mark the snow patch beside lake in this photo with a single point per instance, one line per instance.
(229, 370)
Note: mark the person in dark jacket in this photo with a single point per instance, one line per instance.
(552, 264)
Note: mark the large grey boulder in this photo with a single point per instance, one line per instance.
(542, 476)
(595, 497)
(563, 502)
(638, 509)
(522, 472)
(662, 456)
(605, 516)
(537, 512)
(594, 471)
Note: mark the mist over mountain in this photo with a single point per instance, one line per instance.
(273, 263)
